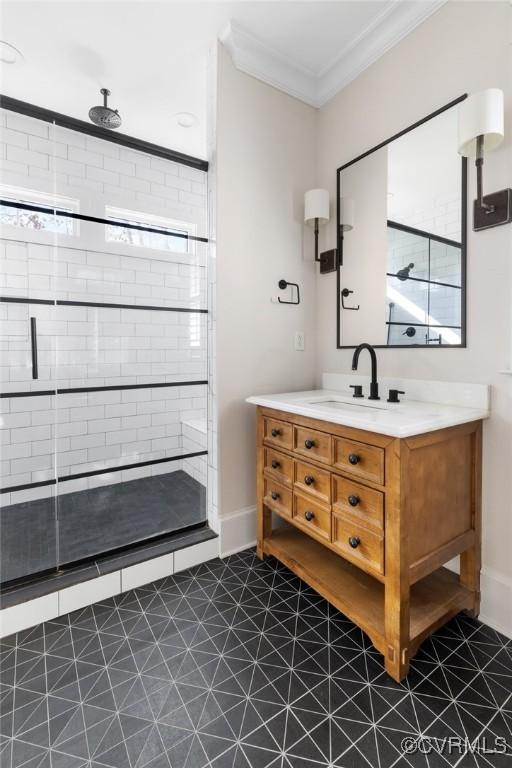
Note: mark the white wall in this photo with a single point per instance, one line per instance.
(464, 47)
(265, 163)
(365, 250)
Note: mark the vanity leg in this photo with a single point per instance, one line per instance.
(397, 635)
(397, 586)
(264, 528)
(471, 559)
(264, 515)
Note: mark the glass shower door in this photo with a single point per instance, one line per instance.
(28, 416)
(131, 376)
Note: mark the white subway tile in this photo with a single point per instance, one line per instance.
(99, 174)
(26, 124)
(144, 573)
(149, 174)
(47, 146)
(28, 614)
(9, 166)
(85, 156)
(121, 436)
(198, 553)
(119, 166)
(166, 166)
(20, 155)
(134, 156)
(16, 138)
(89, 592)
(135, 184)
(192, 173)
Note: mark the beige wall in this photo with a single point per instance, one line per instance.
(265, 163)
(365, 250)
(464, 47)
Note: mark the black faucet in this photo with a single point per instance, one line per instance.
(374, 386)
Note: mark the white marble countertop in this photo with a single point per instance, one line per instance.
(404, 419)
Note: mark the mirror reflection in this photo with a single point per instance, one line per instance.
(402, 270)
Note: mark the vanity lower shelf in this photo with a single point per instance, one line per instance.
(433, 600)
(370, 521)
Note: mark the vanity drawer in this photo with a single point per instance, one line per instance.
(278, 466)
(354, 499)
(361, 460)
(311, 517)
(277, 497)
(367, 547)
(278, 433)
(314, 481)
(313, 444)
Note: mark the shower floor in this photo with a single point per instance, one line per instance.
(95, 521)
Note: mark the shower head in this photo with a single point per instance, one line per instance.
(103, 115)
(403, 274)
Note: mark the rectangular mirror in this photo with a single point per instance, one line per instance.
(402, 240)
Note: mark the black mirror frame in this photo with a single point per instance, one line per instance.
(339, 239)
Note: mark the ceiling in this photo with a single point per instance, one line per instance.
(154, 55)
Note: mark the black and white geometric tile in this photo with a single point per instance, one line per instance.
(238, 664)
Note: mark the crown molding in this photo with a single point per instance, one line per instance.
(256, 58)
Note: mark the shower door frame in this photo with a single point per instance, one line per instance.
(51, 117)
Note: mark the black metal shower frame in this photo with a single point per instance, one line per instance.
(429, 236)
(65, 121)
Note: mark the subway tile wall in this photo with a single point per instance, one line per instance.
(89, 346)
(441, 302)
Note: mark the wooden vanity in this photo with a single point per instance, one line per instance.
(371, 519)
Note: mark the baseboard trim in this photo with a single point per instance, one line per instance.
(237, 531)
(238, 549)
(496, 598)
(496, 606)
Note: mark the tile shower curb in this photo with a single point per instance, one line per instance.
(102, 566)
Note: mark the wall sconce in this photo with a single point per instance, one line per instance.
(346, 214)
(481, 129)
(316, 211)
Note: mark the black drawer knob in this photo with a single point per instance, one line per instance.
(353, 500)
(309, 443)
(275, 495)
(309, 479)
(354, 541)
(354, 458)
(309, 515)
(275, 432)
(275, 464)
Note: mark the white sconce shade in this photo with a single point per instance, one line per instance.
(481, 114)
(316, 206)
(346, 213)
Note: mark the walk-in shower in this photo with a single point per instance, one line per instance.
(104, 349)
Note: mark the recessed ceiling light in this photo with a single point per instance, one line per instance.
(9, 54)
(186, 119)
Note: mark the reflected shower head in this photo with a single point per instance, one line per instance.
(403, 273)
(103, 115)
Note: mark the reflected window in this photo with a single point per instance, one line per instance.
(162, 241)
(42, 220)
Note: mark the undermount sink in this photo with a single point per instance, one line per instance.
(342, 404)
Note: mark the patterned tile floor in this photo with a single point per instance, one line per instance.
(238, 664)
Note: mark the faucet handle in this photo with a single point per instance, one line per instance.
(358, 390)
(393, 395)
